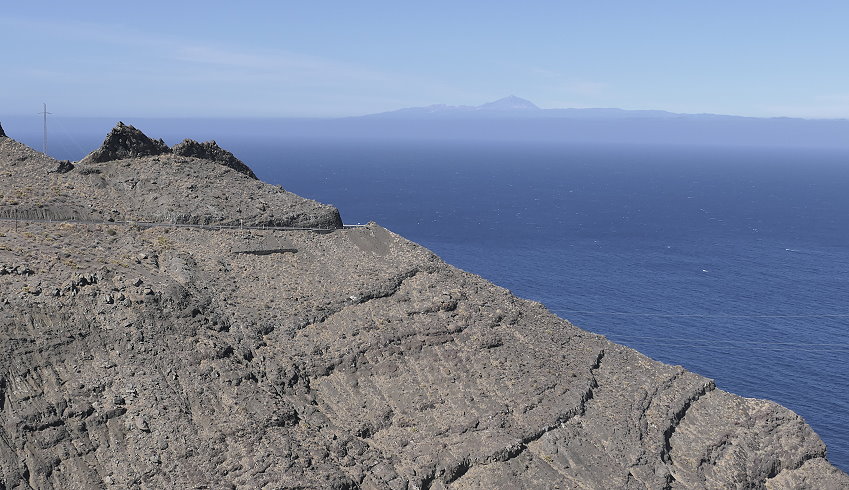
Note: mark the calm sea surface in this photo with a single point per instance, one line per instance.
(733, 262)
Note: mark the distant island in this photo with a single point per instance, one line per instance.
(517, 107)
(510, 119)
(515, 119)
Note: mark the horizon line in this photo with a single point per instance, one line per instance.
(390, 111)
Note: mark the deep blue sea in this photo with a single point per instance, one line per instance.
(730, 261)
(733, 262)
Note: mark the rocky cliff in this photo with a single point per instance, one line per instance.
(141, 356)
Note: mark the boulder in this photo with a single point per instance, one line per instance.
(63, 167)
(209, 150)
(126, 142)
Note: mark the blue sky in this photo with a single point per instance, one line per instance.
(338, 58)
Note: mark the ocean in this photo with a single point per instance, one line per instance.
(730, 261)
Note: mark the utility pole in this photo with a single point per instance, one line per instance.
(45, 113)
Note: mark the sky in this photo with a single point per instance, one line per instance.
(343, 58)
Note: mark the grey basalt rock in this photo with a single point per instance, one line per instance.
(64, 167)
(167, 357)
(164, 188)
(209, 150)
(126, 142)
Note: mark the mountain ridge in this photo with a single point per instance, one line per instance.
(513, 106)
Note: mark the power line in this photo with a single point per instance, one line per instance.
(69, 135)
(45, 113)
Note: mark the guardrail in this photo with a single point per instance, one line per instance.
(149, 224)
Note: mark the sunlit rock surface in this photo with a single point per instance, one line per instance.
(143, 356)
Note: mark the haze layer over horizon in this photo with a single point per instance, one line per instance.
(269, 59)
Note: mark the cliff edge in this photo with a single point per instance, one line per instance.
(141, 356)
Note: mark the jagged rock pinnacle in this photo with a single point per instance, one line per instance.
(126, 142)
(2, 133)
(209, 150)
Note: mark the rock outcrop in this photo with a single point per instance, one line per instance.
(64, 167)
(164, 188)
(2, 133)
(209, 150)
(126, 142)
(159, 357)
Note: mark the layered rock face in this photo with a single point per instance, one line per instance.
(159, 357)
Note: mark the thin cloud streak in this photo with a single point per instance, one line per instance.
(181, 68)
(281, 63)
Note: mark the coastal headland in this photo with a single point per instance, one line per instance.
(258, 343)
